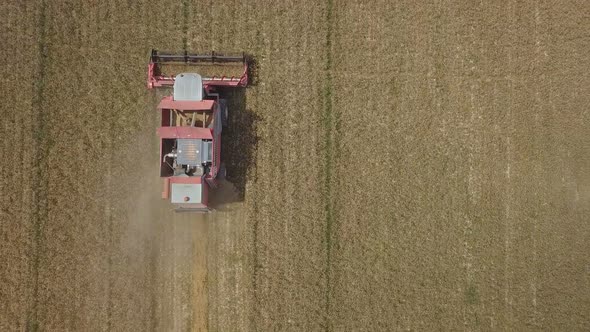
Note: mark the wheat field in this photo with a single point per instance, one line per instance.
(394, 166)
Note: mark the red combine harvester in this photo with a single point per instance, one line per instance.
(191, 123)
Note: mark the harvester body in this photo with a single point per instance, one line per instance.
(191, 124)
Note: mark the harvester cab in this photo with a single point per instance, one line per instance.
(192, 118)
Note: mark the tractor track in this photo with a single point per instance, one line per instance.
(330, 121)
(40, 165)
(185, 17)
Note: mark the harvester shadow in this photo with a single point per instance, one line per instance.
(238, 146)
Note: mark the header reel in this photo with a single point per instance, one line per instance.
(215, 69)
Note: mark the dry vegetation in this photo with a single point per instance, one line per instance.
(16, 131)
(398, 166)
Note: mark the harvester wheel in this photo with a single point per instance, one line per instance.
(222, 173)
(226, 115)
(224, 112)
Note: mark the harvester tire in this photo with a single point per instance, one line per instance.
(222, 173)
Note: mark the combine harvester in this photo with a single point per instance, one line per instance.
(192, 118)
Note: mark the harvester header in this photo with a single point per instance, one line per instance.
(159, 76)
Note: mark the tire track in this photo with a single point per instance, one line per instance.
(329, 121)
(185, 14)
(508, 192)
(39, 206)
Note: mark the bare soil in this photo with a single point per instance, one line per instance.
(395, 166)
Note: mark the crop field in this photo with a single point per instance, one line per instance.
(395, 165)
